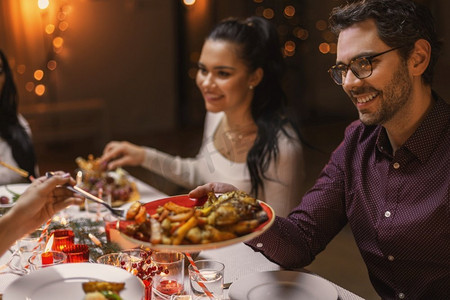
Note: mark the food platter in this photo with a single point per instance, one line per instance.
(286, 285)
(65, 282)
(184, 200)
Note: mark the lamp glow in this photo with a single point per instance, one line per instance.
(43, 4)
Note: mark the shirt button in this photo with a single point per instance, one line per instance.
(391, 258)
(401, 296)
(396, 165)
(259, 245)
(387, 214)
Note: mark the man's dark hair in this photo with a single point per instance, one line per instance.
(399, 23)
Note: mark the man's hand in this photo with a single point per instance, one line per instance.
(217, 187)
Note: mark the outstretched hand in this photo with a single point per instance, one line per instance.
(40, 201)
(118, 154)
(217, 187)
(45, 197)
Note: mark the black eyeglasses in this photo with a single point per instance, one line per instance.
(361, 67)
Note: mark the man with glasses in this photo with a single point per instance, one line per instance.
(389, 179)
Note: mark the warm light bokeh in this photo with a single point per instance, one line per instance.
(40, 89)
(43, 4)
(189, 2)
(38, 74)
(49, 29)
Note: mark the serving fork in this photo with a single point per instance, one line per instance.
(120, 213)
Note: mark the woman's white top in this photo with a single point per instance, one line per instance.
(283, 187)
(8, 176)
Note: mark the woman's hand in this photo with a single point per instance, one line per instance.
(43, 198)
(216, 187)
(40, 201)
(117, 154)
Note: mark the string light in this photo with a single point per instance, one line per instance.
(189, 2)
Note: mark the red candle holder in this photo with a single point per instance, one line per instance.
(47, 258)
(62, 238)
(77, 253)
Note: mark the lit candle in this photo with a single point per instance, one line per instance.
(47, 258)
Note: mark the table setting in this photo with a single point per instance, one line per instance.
(90, 247)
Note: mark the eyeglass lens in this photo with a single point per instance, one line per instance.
(360, 67)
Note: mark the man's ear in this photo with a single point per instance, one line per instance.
(420, 57)
(256, 77)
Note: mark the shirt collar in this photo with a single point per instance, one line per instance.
(422, 142)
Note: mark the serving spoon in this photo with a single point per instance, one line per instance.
(76, 189)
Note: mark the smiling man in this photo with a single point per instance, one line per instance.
(389, 179)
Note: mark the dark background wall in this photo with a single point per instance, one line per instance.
(139, 57)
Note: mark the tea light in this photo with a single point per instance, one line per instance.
(47, 258)
(62, 239)
(77, 253)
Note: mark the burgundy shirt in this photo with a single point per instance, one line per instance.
(397, 207)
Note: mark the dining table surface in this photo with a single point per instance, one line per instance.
(239, 259)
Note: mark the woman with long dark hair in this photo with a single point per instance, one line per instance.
(249, 140)
(16, 147)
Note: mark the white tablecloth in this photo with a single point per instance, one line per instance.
(239, 259)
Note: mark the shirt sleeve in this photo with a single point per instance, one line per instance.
(186, 172)
(294, 242)
(284, 186)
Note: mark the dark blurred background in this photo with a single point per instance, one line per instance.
(89, 71)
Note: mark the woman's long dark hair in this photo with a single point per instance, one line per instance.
(10, 129)
(258, 47)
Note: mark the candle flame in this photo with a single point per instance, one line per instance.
(49, 244)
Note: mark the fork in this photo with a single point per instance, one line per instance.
(116, 211)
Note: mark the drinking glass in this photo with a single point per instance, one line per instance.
(29, 244)
(170, 278)
(206, 279)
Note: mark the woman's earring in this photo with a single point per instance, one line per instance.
(250, 87)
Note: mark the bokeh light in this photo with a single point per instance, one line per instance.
(289, 11)
(21, 69)
(29, 86)
(39, 89)
(324, 48)
(38, 75)
(52, 64)
(63, 26)
(43, 4)
(321, 25)
(189, 2)
(268, 13)
(49, 29)
(58, 42)
(301, 33)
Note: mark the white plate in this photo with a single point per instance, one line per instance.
(65, 282)
(286, 285)
(18, 188)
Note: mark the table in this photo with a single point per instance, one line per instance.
(239, 259)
